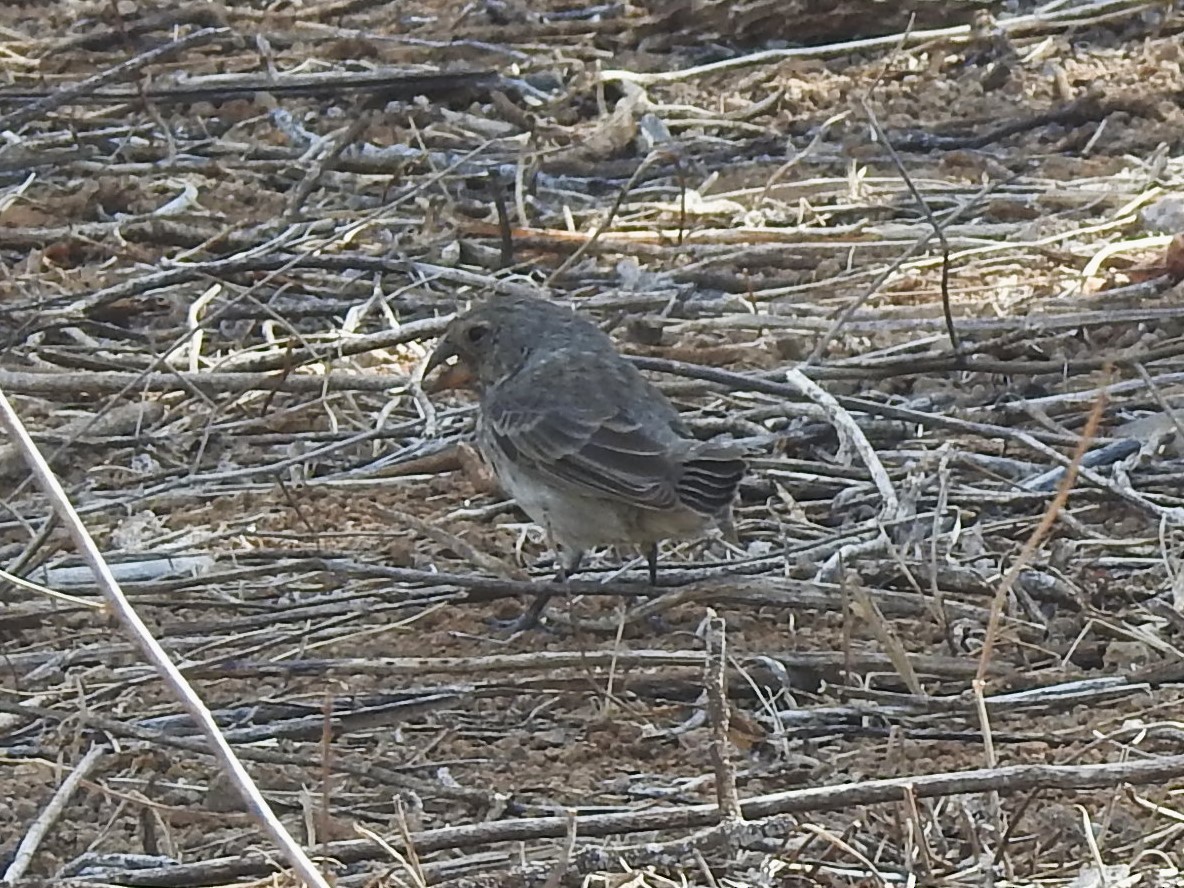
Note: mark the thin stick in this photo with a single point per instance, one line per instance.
(894, 266)
(1042, 529)
(913, 811)
(852, 435)
(978, 687)
(1091, 842)
(325, 818)
(122, 71)
(955, 34)
(608, 220)
(717, 711)
(50, 813)
(155, 654)
(1011, 778)
(951, 331)
(889, 640)
(559, 870)
(847, 848)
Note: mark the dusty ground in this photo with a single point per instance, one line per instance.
(745, 218)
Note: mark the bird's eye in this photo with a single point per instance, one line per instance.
(476, 334)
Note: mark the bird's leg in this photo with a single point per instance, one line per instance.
(530, 616)
(651, 559)
(565, 565)
(726, 522)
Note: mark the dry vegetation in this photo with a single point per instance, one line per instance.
(228, 236)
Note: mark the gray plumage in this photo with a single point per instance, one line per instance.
(584, 443)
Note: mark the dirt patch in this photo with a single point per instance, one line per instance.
(266, 257)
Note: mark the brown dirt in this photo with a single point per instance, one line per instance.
(792, 210)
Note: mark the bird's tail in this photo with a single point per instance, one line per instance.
(709, 479)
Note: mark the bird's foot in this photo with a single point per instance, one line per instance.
(532, 617)
(508, 630)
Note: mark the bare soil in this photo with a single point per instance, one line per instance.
(211, 305)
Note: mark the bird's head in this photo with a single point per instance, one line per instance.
(495, 339)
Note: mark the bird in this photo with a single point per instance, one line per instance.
(587, 447)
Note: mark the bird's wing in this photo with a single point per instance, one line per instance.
(589, 438)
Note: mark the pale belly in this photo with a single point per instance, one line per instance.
(578, 521)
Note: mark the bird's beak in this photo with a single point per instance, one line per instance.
(458, 375)
(443, 352)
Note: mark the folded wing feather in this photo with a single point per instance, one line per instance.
(594, 447)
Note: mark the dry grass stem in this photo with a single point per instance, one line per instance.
(920, 260)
